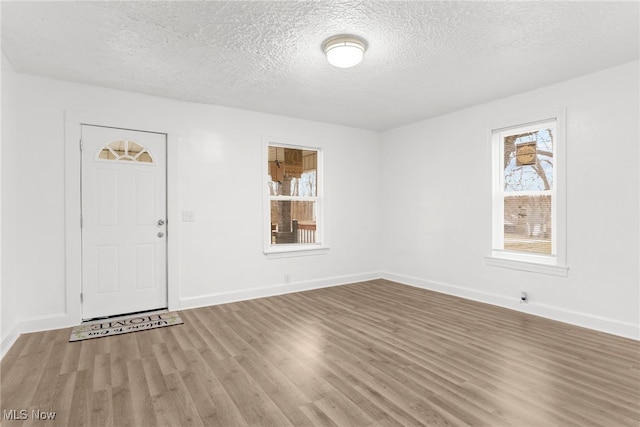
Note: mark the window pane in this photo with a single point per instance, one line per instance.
(293, 222)
(528, 161)
(527, 224)
(292, 172)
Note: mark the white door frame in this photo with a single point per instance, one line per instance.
(72, 178)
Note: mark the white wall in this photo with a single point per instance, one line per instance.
(437, 204)
(402, 211)
(9, 189)
(218, 175)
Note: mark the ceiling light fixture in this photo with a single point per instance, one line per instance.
(344, 51)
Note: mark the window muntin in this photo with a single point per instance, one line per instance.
(293, 194)
(525, 205)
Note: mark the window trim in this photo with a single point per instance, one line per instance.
(555, 264)
(270, 250)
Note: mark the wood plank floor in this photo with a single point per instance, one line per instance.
(373, 353)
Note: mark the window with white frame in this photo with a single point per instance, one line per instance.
(528, 197)
(293, 203)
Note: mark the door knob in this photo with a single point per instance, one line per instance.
(160, 234)
(160, 222)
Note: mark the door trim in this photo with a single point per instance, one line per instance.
(72, 177)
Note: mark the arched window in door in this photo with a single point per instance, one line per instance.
(125, 151)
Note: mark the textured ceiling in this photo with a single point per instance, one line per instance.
(425, 58)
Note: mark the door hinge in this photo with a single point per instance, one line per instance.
(81, 221)
(80, 144)
(81, 297)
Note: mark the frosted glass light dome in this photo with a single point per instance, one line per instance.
(344, 51)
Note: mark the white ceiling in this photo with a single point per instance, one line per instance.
(425, 58)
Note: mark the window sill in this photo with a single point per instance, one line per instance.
(291, 251)
(543, 265)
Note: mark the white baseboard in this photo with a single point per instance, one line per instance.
(47, 323)
(602, 324)
(8, 340)
(36, 324)
(268, 291)
(64, 320)
(611, 326)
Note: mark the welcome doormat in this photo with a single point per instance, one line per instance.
(123, 325)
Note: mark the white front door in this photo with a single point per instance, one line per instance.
(124, 243)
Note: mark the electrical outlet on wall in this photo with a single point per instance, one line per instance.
(188, 216)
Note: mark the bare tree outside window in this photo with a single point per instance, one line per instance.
(528, 184)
